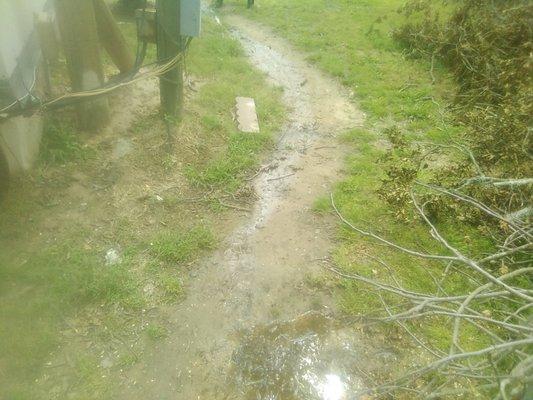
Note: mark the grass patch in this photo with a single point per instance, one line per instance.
(321, 205)
(240, 156)
(231, 153)
(155, 332)
(352, 41)
(172, 287)
(182, 246)
(39, 289)
(92, 379)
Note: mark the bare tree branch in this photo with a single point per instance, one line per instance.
(509, 328)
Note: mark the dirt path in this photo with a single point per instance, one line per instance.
(250, 326)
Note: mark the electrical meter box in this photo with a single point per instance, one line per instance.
(190, 17)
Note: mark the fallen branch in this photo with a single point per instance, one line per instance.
(509, 328)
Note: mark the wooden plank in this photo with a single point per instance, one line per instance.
(246, 115)
(112, 38)
(77, 24)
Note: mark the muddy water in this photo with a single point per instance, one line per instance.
(309, 357)
(246, 329)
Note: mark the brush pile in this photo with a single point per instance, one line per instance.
(488, 46)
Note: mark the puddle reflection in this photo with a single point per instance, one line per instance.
(332, 388)
(308, 358)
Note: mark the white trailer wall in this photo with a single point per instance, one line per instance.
(19, 58)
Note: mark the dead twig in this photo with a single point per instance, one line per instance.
(280, 177)
(238, 208)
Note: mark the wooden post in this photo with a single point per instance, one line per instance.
(146, 25)
(112, 38)
(77, 24)
(168, 46)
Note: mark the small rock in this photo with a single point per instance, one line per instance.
(112, 257)
(106, 363)
(149, 289)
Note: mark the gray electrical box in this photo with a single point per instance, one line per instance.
(190, 17)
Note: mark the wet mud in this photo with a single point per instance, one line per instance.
(250, 328)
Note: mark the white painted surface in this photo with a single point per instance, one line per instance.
(19, 136)
(20, 141)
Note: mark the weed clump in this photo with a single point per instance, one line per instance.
(61, 143)
(182, 247)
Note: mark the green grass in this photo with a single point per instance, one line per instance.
(227, 170)
(181, 246)
(39, 289)
(321, 205)
(223, 60)
(172, 286)
(51, 278)
(155, 332)
(351, 40)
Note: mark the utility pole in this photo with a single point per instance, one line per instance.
(169, 45)
(77, 24)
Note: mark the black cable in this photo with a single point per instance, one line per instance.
(140, 54)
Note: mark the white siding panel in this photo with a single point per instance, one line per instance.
(16, 25)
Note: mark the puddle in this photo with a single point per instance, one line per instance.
(308, 358)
